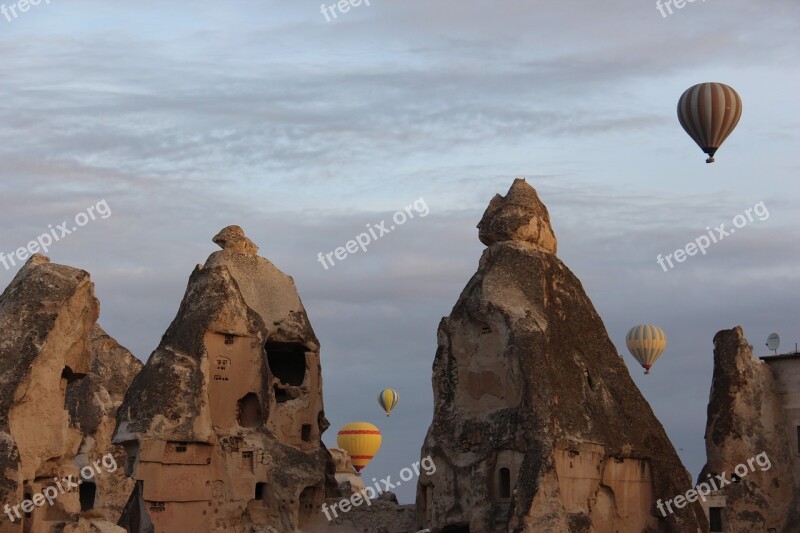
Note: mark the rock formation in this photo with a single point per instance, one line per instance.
(349, 481)
(746, 422)
(61, 380)
(369, 511)
(537, 424)
(223, 425)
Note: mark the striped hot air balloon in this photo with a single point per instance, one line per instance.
(709, 112)
(387, 399)
(646, 343)
(361, 440)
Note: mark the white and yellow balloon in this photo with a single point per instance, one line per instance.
(646, 342)
(387, 399)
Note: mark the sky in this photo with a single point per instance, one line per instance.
(185, 117)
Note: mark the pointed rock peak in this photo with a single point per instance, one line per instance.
(518, 216)
(233, 239)
(37, 259)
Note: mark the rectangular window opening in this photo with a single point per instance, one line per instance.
(715, 519)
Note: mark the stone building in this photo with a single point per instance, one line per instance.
(786, 370)
(223, 425)
(751, 440)
(61, 381)
(537, 425)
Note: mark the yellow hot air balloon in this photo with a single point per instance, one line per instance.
(646, 343)
(709, 112)
(361, 440)
(387, 399)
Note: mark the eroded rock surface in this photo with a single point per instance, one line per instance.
(537, 424)
(349, 481)
(223, 426)
(746, 422)
(61, 380)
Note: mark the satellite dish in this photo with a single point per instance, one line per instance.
(773, 341)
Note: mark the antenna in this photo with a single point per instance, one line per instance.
(773, 341)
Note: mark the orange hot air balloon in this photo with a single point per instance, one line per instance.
(361, 440)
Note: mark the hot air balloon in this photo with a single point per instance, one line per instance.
(387, 399)
(361, 440)
(709, 112)
(646, 343)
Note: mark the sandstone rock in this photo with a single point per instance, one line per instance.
(537, 424)
(93, 526)
(223, 425)
(379, 516)
(233, 239)
(746, 420)
(61, 379)
(347, 478)
(519, 216)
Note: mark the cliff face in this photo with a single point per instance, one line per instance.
(61, 380)
(537, 424)
(746, 423)
(223, 426)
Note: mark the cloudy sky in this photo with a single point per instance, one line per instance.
(189, 116)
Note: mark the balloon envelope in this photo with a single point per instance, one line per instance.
(361, 440)
(387, 399)
(709, 112)
(646, 342)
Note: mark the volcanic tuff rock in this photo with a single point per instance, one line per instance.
(537, 424)
(745, 419)
(347, 478)
(223, 426)
(61, 380)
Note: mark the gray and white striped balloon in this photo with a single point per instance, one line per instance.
(709, 112)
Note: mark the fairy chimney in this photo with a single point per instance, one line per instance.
(223, 426)
(61, 381)
(537, 424)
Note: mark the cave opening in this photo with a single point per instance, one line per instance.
(87, 493)
(261, 491)
(504, 485)
(457, 528)
(287, 361)
(281, 396)
(248, 411)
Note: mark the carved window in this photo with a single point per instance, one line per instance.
(715, 519)
(247, 455)
(504, 483)
(158, 506)
(87, 492)
(181, 447)
(229, 339)
(305, 432)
